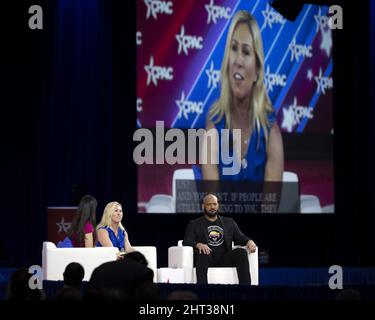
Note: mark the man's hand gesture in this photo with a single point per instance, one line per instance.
(203, 248)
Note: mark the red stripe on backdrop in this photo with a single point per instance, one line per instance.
(168, 39)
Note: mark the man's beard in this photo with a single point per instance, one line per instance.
(210, 214)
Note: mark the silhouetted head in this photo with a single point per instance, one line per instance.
(137, 256)
(73, 274)
(19, 288)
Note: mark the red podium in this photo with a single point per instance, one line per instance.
(59, 220)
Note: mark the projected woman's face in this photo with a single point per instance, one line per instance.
(242, 69)
(117, 214)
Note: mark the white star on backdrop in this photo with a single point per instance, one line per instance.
(210, 9)
(292, 48)
(326, 43)
(181, 105)
(148, 3)
(269, 86)
(318, 80)
(318, 18)
(310, 74)
(210, 73)
(212, 76)
(289, 120)
(149, 69)
(180, 40)
(266, 14)
(63, 226)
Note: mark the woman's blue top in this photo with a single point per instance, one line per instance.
(116, 241)
(252, 167)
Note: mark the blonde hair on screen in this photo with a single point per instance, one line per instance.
(260, 105)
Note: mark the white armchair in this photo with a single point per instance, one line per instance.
(309, 203)
(55, 260)
(160, 203)
(165, 203)
(151, 256)
(183, 257)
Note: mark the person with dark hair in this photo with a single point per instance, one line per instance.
(73, 275)
(137, 256)
(146, 290)
(19, 288)
(211, 237)
(118, 280)
(82, 230)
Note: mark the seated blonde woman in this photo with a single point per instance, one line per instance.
(110, 231)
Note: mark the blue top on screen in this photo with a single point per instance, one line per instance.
(117, 241)
(254, 163)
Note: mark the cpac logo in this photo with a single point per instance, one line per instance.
(323, 83)
(293, 115)
(139, 38)
(155, 73)
(186, 106)
(63, 226)
(298, 50)
(335, 21)
(186, 42)
(216, 12)
(213, 76)
(273, 79)
(322, 22)
(139, 105)
(155, 7)
(271, 17)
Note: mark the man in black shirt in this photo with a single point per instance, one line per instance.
(211, 236)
